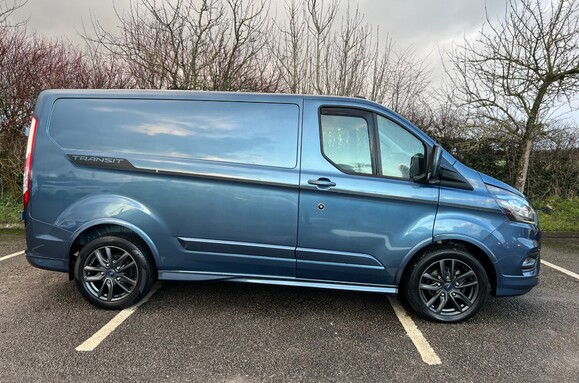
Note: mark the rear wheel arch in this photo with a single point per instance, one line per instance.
(87, 233)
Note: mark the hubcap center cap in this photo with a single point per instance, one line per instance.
(447, 287)
(111, 273)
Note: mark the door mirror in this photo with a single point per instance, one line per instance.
(426, 170)
(417, 165)
(434, 163)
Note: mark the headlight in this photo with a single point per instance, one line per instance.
(515, 208)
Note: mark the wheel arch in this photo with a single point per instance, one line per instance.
(97, 228)
(478, 250)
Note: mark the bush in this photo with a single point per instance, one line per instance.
(10, 210)
(30, 63)
(558, 214)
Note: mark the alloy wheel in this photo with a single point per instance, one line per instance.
(448, 287)
(110, 273)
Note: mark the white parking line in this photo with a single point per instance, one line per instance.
(92, 342)
(426, 352)
(559, 268)
(11, 255)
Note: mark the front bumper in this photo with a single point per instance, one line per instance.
(522, 282)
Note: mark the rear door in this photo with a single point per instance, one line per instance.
(360, 213)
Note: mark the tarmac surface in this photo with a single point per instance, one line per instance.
(226, 332)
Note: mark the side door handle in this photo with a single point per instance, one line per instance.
(322, 183)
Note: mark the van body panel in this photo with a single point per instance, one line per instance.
(221, 131)
(494, 182)
(47, 245)
(371, 216)
(47, 263)
(473, 216)
(208, 199)
(459, 221)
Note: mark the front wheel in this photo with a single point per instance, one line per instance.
(446, 285)
(113, 272)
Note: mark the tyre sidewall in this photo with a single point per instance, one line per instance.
(411, 286)
(145, 279)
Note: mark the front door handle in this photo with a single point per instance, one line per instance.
(322, 183)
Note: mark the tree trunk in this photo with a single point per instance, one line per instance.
(523, 163)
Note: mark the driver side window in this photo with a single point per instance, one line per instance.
(399, 149)
(346, 142)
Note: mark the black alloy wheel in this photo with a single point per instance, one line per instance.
(447, 285)
(114, 272)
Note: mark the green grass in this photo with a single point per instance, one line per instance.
(10, 210)
(558, 214)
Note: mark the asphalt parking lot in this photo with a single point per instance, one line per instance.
(225, 332)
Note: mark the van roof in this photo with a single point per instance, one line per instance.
(192, 95)
(47, 97)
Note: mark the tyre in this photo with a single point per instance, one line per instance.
(114, 272)
(446, 285)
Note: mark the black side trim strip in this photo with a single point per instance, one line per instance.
(117, 163)
(101, 162)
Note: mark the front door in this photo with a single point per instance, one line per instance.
(359, 211)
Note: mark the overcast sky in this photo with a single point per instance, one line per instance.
(428, 26)
(425, 25)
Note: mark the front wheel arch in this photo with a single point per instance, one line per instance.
(471, 248)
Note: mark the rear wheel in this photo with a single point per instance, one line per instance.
(114, 272)
(446, 285)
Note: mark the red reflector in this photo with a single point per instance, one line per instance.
(28, 162)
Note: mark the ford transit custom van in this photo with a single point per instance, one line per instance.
(122, 188)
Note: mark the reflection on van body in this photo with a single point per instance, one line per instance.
(219, 131)
(123, 187)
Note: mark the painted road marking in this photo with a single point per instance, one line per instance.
(426, 352)
(559, 268)
(11, 255)
(92, 342)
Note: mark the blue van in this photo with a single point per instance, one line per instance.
(125, 187)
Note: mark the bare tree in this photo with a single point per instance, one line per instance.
(400, 80)
(318, 53)
(290, 49)
(238, 47)
(321, 18)
(188, 44)
(103, 71)
(352, 54)
(516, 74)
(441, 120)
(7, 8)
